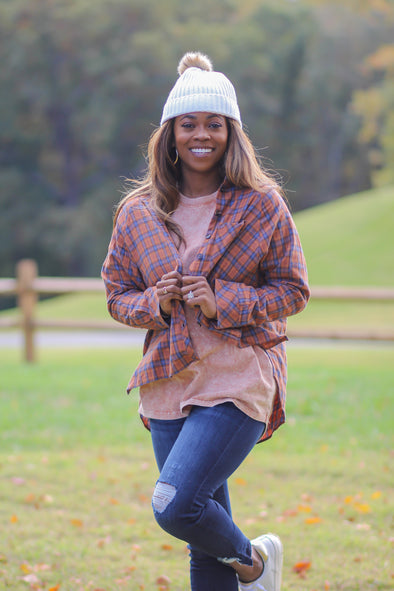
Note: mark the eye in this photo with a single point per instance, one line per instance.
(187, 125)
(215, 125)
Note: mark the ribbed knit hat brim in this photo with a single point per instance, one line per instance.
(201, 90)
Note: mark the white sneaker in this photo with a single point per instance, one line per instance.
(270, 549)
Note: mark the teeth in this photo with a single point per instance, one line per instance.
(201, 150)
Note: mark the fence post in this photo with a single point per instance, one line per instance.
(26, 272)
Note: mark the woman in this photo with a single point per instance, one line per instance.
(205, 255)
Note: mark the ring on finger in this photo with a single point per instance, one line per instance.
(190, 295)
(165, 290)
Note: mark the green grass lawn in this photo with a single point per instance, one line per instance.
(77, 473)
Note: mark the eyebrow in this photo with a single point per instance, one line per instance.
(210, 116)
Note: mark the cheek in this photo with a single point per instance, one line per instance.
(179, 141)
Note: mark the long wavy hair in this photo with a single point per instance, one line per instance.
(240, 166)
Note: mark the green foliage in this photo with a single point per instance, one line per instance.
(375, 106)
(83, 83)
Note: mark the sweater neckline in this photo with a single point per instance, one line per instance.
(196, 201)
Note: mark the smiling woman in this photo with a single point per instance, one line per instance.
(201, 142)
(205, 255)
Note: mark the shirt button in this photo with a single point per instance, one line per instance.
(199, 257)
(208, 235)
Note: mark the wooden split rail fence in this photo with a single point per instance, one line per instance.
(27, 286)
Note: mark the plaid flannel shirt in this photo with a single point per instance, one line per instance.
(253, 261)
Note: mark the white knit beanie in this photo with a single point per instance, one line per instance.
(200, 89)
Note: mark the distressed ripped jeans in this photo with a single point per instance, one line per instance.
(196, 455)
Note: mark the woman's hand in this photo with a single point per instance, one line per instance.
(197, 292)
(169, 288)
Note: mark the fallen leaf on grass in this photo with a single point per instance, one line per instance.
(313, 520)
(103, 541)
(55, 588)
(114, 502)
(31, 579)
(362, 507)
(376, 495)
(163, 582)
(306, 497)
(18, 481)
(240, 481)
(14, 519)
(290, 513)
(166, 547)
(301, 567)
(41, 567)
(124, 581)
(76, 522)
(31, 499)
(263, 514)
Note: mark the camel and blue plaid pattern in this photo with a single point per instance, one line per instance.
(251, 257)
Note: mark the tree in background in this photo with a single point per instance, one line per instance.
(83, 82)
(375, 106)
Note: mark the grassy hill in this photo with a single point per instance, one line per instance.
(350, 241)
(346, 242)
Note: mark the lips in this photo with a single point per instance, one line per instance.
(201, 151)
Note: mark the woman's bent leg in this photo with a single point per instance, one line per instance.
(210, 446)
(206, 572)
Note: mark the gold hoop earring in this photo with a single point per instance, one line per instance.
(177, 157)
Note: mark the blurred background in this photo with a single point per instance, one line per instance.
(83, 84)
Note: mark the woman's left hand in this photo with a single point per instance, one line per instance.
(197, 292)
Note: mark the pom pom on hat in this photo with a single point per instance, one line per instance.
(200, 89)
(194, 60)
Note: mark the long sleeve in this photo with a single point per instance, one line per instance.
(284, 287)
(129, 300)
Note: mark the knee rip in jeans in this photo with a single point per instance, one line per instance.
(162, 496)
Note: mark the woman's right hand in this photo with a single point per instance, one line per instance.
(169, 288)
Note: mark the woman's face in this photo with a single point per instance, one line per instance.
(201, 141)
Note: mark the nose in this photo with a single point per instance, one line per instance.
(202, 133)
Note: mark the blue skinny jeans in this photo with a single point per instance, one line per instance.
(196, 455)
